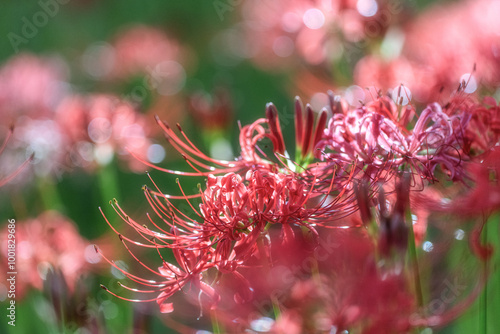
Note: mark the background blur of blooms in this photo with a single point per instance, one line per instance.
(81, 82)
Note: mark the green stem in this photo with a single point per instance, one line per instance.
(276, 308)
(108, 181)
(412, 248)
(215, 322)
(49, 194)
(483, 308)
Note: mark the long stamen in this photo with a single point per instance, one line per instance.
(135, 257)
(132, 277)
(128, 299)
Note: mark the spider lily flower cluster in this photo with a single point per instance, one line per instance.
(428, 69)
(256, 228)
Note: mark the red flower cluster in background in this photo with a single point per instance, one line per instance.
(443, 46)
(62, 130)
(50, 242)
(283, 33)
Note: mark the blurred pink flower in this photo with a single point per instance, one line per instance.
(373, 71)
(32, 86)
(43, 140)
(99, 126)
(137, 50)
(449, 44)
(83, 132)
(482, 123)
(471, 39)
(48, 242)
(279, 32)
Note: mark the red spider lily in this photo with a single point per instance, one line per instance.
(191, 273)
(375, 135)
(191, 265)
(477, 124)
(241, 202)
(234, 216)
(31, 86)
(307, 138)
(254, 212)
(432, 69)
(378, 137)
(437, 144)
(471, 38)
(125, 59)
(103, 125)
(49, 242)
(270, 194)
(234, 209)
(281, 33)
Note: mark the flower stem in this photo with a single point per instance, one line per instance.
(412, 248)
(49, 194)
(215, 322)
(108, 181)
(483, 299)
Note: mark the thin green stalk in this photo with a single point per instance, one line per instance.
(483, 303)
(412, 248)
(216, 328)
(108, 181)
(49, 194)
(276, 308)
